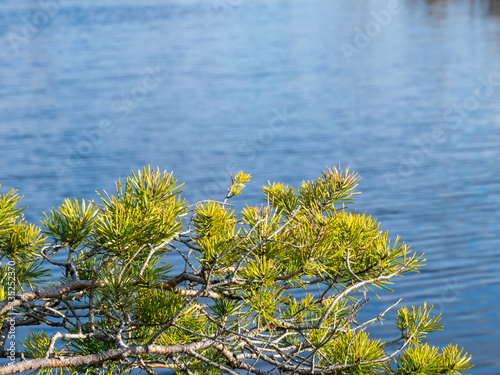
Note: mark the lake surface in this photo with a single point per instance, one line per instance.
(406, 94)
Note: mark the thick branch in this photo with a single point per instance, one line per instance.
(99, 358)
(79, 285)
(38, 294)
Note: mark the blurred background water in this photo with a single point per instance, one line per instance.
(406, 93)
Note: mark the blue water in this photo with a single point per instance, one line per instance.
(407, 95)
